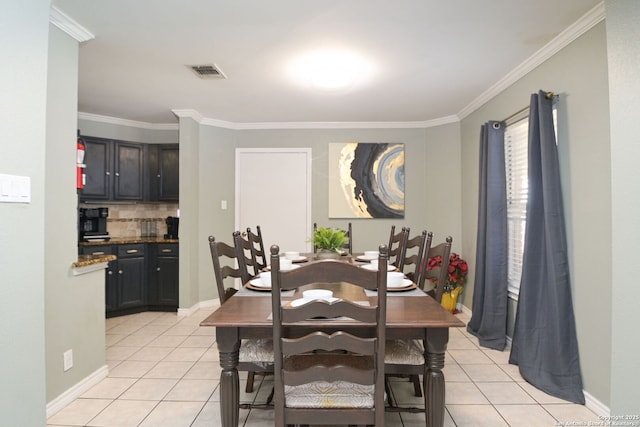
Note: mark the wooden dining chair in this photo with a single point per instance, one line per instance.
(220, 250)
(258, 254)
(413, 259)
(256, 355)
(435, 278)
(335, 376)
(246, 262)
(413, 263)
(348, 232)
(405, 358)
(397, 242)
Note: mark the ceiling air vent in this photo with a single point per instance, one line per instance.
(207, 71)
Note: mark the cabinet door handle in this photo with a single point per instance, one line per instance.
(110, 273)
(117, 173)
(158, 176)
(167, 251)
(97, 253)
(107, 173)
(120, 272)
(158, 269)
(132, 251)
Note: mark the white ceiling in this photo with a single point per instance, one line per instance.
(433, 59)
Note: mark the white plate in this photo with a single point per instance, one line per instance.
(403, 284)
(257, 282)
(375, 268)
(298, 258)
(366, 258)
(298, 302)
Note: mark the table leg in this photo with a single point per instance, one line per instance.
(229, 348)
(433, 382)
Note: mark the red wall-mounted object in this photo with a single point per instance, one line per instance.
(80, 166)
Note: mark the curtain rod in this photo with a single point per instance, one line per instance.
(548, 95)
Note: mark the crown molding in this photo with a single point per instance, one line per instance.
(584, 24)
(125, 122)
(69, 26)
(195, 115)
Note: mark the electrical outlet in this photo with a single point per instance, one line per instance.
(68, 359)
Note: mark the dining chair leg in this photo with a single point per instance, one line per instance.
(249, 386)
(417, 388)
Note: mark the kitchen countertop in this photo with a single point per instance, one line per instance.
(87, 260)
(129, 240)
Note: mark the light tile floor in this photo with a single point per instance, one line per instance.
(164, 371)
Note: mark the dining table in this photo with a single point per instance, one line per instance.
(411, 314)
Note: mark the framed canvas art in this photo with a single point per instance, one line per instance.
(366, 180)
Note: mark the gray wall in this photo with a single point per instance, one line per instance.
(623, 44)
(432, 195)
(74, 305)
(22, 254)
(579, 74)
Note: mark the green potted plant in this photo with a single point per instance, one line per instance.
(329, 242)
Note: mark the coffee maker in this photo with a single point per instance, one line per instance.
(172, 227)
(92, 224)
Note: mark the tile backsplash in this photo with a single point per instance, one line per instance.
(138, 220)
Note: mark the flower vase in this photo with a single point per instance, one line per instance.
(450, 299)
(327, 254)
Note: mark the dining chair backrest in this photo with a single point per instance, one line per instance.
(222, 251)
(397, 242)
(439, 274)
(336, 376)
(348, 232)
(414, 259)
(246, 263)
(258, 254)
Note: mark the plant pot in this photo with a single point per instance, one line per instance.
(327, 254)
(450, 299)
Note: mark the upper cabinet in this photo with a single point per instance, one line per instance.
(129, 171)
(164, 172)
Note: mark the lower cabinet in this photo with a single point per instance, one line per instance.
(143, 278)
(131, 276)
(163, 275)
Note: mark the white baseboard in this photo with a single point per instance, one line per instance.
(76, 391)
(595, 405)
(186, 312)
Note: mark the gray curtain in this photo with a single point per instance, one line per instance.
(489, 318)
(545, 345)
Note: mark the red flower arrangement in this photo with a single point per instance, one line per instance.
(457, 271)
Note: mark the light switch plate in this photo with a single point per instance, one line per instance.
(15, 189)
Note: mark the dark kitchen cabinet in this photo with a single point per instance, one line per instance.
(114, 170)
(163, 276)
(98, 160)
(128, 183)
(131, 276)
(144, 277)
(164, 172)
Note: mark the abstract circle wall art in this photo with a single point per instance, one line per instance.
(366, 180)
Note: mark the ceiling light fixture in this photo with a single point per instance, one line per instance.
(330, 69)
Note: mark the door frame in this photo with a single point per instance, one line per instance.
(307, 151)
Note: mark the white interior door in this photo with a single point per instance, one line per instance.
(273, 190)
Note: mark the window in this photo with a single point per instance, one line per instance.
(516, 146)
